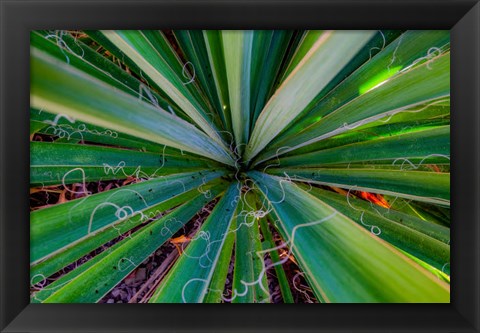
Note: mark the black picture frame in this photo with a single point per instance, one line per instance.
(19, 17)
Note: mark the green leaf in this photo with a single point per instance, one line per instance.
(54, 228)
(393, 57)
(423, 186)
(68, 49)
(96, 281)
(193, 46)
(443, 274)
(334, 251)
(268, 51)
(214, 46)
(437, 214)
(407, 233)
(249, 275)
(308, 39)
(152, 53)
(219, 278)
(237, 50)
(276, 262)
(418, 85)
(302, 86)
(74, 131)
(69, 254)
(397, 149)
(350, 128)
(372, 131)
(189, 278)
(64, 90)
(36, 126)
(63, 163)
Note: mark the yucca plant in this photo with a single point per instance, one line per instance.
(244, 152)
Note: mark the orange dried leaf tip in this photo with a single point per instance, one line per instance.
(180, 240)
(376, 199)
(339, 190)
(62, 197)
(434, 167)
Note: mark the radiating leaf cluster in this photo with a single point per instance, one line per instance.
(329, 150)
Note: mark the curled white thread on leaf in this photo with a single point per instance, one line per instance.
(291, 242)
(122, 260)
(41, 283)
(58, 36)
(188, 283)
(432, 54)
(376, 47)
(54, 122)
(413, 166)
(186, 75)
(413, 111)
(307, 297)
(373, 228)
(84, 184)
(276, 156)
(206, 193)
(395, 52)
(445, 266)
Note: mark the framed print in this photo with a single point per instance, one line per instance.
(237, 152)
